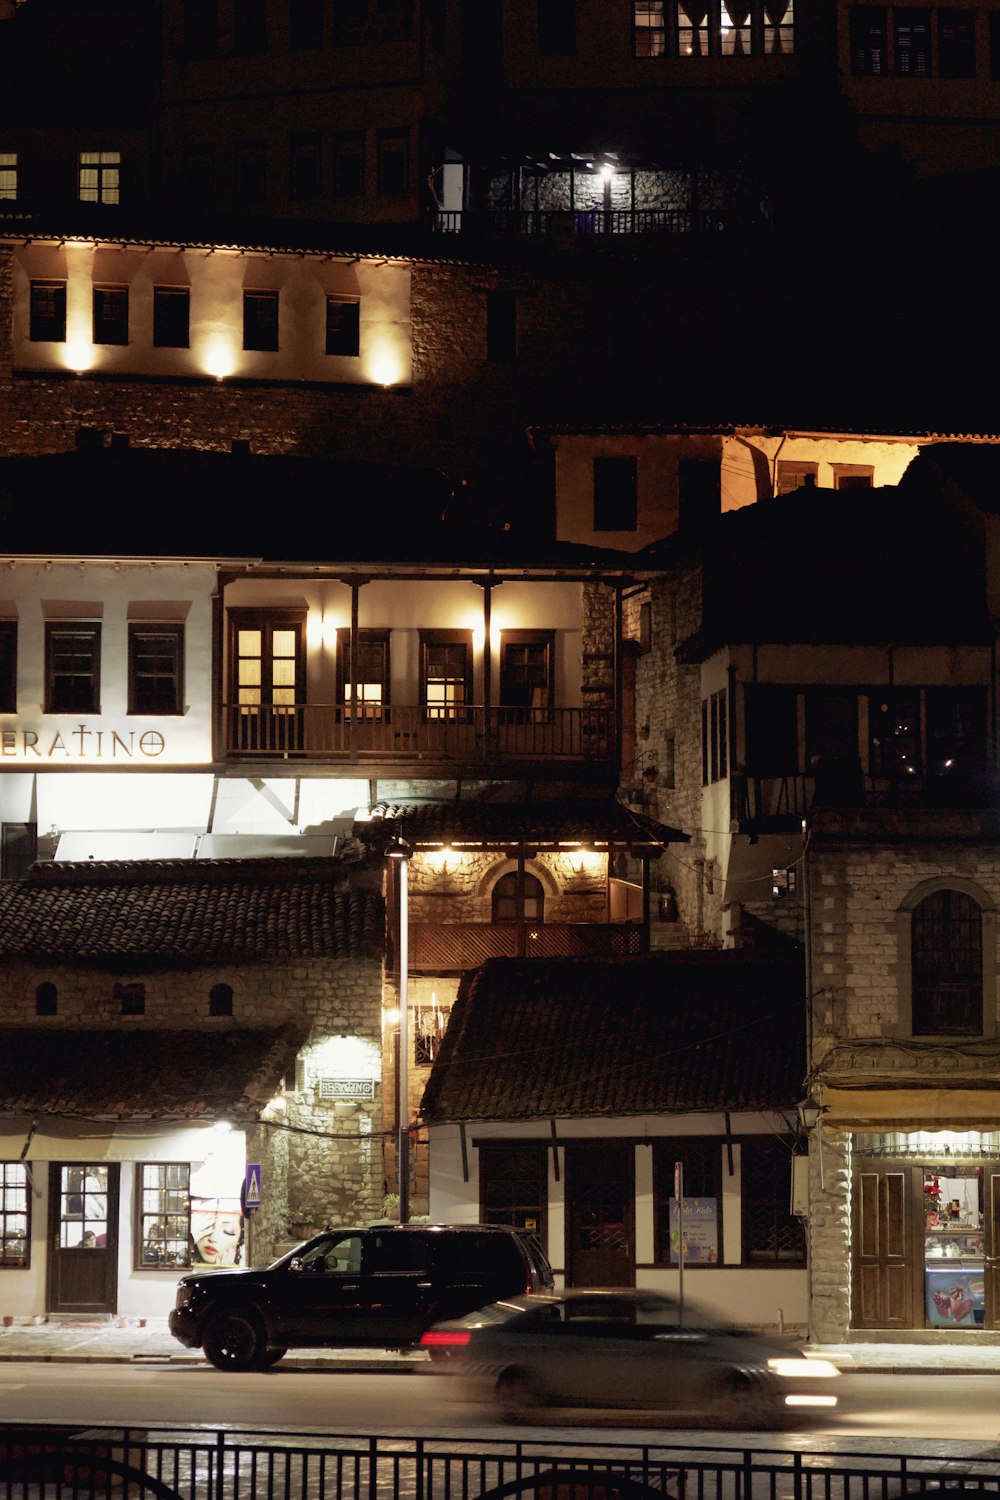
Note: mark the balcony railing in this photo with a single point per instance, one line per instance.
(774, 799)
(464, 945)
(521, 223)
(323, 731)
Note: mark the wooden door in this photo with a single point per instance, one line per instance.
(600, 1200)
(991, 1244)
(888, 1263)
(83, 1237)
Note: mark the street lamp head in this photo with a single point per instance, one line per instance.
(810, 1112)
(398, 848)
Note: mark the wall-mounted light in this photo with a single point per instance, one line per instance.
(401, 852)
(810, 1112)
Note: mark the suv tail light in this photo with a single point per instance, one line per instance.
(432, 1340)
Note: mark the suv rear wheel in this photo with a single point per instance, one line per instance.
(234, 1340)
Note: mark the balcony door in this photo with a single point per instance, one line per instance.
(267, 681)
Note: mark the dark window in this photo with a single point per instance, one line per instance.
(832, 746)
(307, 166)
(912, 43)
(201, 28)
(894, 732)
(220, 1000)
(198, 186)
(156, 669)
(350, 22)
(163, 1226)
(132, 998)
(795, 476)
(714, 738)
(372, 668)
(110, 314)
(15, 1215)
(615, 487)
(556, 28)
(393, 151)
(393, 20)
(513, 1184)
(506, 905)
(46, 999)
(853, 477)
(171, 317)
(702, 1219)
(869, 54)
(396, 1252)
(947, 966)
(501, 326)
(18, 848)
(348, 166)
(250, 164)
(305, 25)
(772, 731)
(249, 27)
(48, 312)
(772, 1235)
(8, 666)
(699, 492)
(260, 320)
(526, 669)
(957, 43)
(957, 751)
(446, 673)
(649, 31)
(343, 325)
(72, 667)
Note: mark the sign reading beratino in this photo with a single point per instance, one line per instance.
(81, 743)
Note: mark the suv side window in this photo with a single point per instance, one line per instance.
(491, 1257)
(340, 1255)
(396, 1252)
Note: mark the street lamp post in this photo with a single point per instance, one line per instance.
(399, 851)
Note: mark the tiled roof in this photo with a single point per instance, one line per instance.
(143, 1074)
(554, 1038)
(172, 913)
(599, 820)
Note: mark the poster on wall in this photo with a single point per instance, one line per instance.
(216, 1232)
(701, 1231)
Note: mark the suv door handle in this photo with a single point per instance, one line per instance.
(345, 1288)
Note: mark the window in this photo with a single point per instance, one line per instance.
(649, 30)
(350, 21)
(343, 325)
(18, 848)
(446, 673)
(692, 28)
(556, 28)
(393, 151)
(894, 732)
(72, 667)
(946, 965)
(348, 166)
(508, 907)
(15, 1207)
(501, 326)
(853, 476)
(795, 476)
(100, 176)
(8, 666)
(250, 166)
(266, 680)
(47, 323)
(615, 486)
(869, 56)
(8, 175)
(832, 746)
(220, 1000)
(260, 320)
(700, 1157)
(171, 317)
(156, 669)
(772, 730)
(957, 43)
(110, 314)
(163, 1228)
(132, 998)
(305, 25)
(779, 26)
(772, 1235)
(714, 738)
(249, 27)
(46, 999)
(956, 737)
(513, 1184)
(199, 177)
(912, 43)
(371, 689)
(526, 669)
(201, 28)
(307, 169)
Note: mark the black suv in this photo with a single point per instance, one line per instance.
(379, 1287)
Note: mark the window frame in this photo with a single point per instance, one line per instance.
(516, 1209)
(106, 169)
(170, 329)
(555, 28)
(904, 1027)
(15, 1204)
(715, 737)
(249, 28)
(47, 326)
(543, 638)
(654, 28)
(173, 631)
(869, 41)
(951, 911)
(145, 1217)
(200, 33)
(8, 176)
(343, 325)
(18, 849)
(706, 1150)
(55, 699)
(348, 146)
(780, 1202)
(261, 334)
(46, 998)
(306, 25)
(110, 314)
(369, 638)
(957, 56)
(448, 711)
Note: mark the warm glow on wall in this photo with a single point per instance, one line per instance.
(385, 366)
(78, 351)
(582, 861)
(321, 630)
(444, 860)
(218, 357)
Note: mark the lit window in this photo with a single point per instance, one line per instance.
(8, 174)
(370, 665)
(692, 28)
(163, 1230)
(734, 36)
(15, 1207)
(446, 671)
(649, 33)
(714, 738)
(779, 26)
(100, 176)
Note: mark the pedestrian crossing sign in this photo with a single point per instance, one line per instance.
(251, 1194)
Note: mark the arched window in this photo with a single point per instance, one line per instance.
(46, 999)
(220, 1000)
(505, 899)
(946, 936)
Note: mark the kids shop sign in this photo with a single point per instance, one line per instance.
(81, 743)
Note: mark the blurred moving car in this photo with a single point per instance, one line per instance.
(378, 1287)
(624, 1349)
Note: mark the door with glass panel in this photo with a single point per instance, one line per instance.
(83, 1237)
(267, 683)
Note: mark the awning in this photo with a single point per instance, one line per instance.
(91, 1140)
(912, 1109)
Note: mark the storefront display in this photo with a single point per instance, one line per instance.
(954, 1254)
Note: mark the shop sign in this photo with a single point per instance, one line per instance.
(347, 1088)
(82, 743)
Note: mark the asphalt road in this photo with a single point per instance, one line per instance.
(914, 1413)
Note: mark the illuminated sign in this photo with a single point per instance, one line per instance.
(347, 1088)
(82, 743)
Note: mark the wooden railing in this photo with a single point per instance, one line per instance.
(322, 731)
(518, 223)
(464, 945)
(763, 799)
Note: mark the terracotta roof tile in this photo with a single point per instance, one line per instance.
(595, 820)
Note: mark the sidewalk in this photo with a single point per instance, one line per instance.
(148, 1341)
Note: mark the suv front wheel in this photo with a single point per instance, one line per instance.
(234, 1340)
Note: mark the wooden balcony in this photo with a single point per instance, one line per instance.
(455, 946)
(592, 223)
(475, 736)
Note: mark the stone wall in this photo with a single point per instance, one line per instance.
(830, 1237)
(459, 887)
